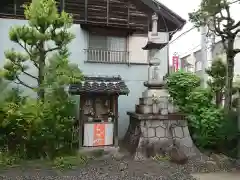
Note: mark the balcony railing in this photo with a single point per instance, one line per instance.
(107, 56)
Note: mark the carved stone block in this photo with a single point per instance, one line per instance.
(144, 109)
(146, 101)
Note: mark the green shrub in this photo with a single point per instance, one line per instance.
(208, 126)
(34, 129)
(180, 85)
(8, 160)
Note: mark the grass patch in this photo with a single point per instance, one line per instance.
(69, 162)
(161, 158)
(7, 160)
(62, 162)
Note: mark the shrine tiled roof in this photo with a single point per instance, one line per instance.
(100, 84)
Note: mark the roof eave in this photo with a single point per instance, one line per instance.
(166, 12)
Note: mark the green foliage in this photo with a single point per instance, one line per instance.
(208, 127)
(34, 129)
(216, 14)
(180, 84)
(217, 72)
(69, 162)
(46, 32)
(8, 160)
(197, 99)
(60, 71)
(210, 9)
(31, 128)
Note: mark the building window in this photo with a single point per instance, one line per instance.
(107, 49)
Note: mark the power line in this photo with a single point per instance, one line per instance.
(184, 33)
(194, 27)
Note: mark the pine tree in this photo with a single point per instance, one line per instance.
(46, 33)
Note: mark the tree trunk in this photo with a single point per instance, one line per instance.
(238, 117)
(41, 90)
(229, 78)
(218, 98)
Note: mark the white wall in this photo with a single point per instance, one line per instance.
(136, 53)
(133, 75)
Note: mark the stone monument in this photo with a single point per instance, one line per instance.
(155, 126)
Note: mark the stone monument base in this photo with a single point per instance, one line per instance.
(150, 134)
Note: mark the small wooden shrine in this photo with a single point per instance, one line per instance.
(98, 113)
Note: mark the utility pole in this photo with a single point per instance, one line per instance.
(207, 45)
(204, 77)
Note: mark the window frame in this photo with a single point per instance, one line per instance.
(123, 55)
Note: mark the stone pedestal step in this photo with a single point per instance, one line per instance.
(146, 101)
(158, 92)
(144, 109)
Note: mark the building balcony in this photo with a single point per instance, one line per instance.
(107, 56)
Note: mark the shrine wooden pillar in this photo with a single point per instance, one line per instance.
(115, 102)
(81, 121)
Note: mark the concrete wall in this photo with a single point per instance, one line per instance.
(134, 75)
(135, 44)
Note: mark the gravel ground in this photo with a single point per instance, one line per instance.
(105, 169)
(111, 169)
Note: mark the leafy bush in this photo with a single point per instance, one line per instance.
(35, 129)
(29, 127)
(180, 84)
(208, 126)
(8, 160)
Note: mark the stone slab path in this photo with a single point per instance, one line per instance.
(218, 176)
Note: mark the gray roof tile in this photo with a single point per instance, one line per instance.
(100, 84)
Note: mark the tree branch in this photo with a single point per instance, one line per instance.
(22, 83)
(228, 15)
(52, 49)
(35, 64)
(29, 54)
(237, 31)
(236, 25)
(217, 27)
(22, 70)
(25, 48)
(236, 51)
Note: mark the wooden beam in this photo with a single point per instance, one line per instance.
(107, 11)
(94, 105)
(86, 10)
(81, 121)
(128, 19)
